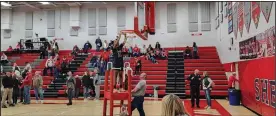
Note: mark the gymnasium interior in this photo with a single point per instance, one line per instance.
(231, 37)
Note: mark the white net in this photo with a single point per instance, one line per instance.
(132, 39)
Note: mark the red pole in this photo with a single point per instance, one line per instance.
(152, 17)
(111, 92)
(129, 91)
(147, 13)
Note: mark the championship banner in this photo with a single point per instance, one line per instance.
(247, 15)
(270, 40)
(235, 19)
(266, 9)
(230, 17)
(240, 17)
(255, 12)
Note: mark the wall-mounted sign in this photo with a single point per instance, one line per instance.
(235, 19)
(230, 17)
(266, 9)
(240, 17)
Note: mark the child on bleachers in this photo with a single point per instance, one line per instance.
(163, 55)
(136, 51)
(152, 57)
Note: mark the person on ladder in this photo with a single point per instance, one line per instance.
(138, 93)
(118, 62)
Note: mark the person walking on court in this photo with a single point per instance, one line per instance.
(138, 93)
(195, 81)
(8, 88)
(207, 87)
(97, 83)
(71, 81)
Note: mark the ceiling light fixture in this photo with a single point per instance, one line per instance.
(104, 2)
(44, 3)
(5, 4)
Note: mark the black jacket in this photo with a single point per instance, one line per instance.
(196, 81)
(86, 81)
(158, 46)
(98, 41)
(7, 82)
(16, 83)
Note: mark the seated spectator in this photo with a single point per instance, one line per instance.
(136, 51)
(98, 43)
(157, 46)
(4, 59)
(105, 45)
(152, 57)
(163, 55)
(188, 52)
(157, 53)
(49, 65)
(42, 51)
(9, 49)
(138, 66)
(75, 51)
(110, 45)
(18, 47)
(87, 46)
(93, 61)
(130, 51)
(143, 50)
(172, 105)
(149, 48)
(195, 51)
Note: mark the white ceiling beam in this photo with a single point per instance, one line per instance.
(53, 4)
(78, 3)
(32, 6)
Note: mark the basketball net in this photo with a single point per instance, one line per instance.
(130, 37)
(75, 28)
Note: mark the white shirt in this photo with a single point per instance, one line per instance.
(49, 63)
(4, 57)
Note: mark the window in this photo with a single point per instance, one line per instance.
(171, 18)
(193, 16)
(205, 16)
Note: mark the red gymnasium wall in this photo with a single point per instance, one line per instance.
(257, 84)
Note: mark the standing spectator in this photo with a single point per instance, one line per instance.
(71, 81)
(110, 45)
(138, 93)
(136, 51)
(195, 51)
(16, 70)
(143, 50)
(42, 52)
(138, 65)
(28, 68)
(64, 65)
(49, 65)
(157, 46)
(207, 87)
(97, 83)
(188, 52)
(105, 45)
(102, 67)
(130, 51)
(98, 43)
(195, 81)
(105, 56)
(37, 85)
(152, 57)
(86, 85)
(92, 74)
(87, 46)
(75, 51)
(111, 57)
(16, 84)
(55, 46)
(4, 59)
(7, 82)
(27, 83)
(77, 86)
(56, 68)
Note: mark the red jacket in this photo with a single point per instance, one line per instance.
(136, 50)
(105, 56)
(28, 80)
(231, 81)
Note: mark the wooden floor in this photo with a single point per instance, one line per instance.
(94, 108)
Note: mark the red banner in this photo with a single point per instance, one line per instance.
(257, 84)
(255, 12)
(240, 17)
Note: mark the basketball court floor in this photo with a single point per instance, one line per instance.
(94, 108)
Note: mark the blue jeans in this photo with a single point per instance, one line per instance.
(98, 48)
(153, 59)
(208, 96)
(56, 72)
(27, 98)
(40, 92)
(86, 91)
